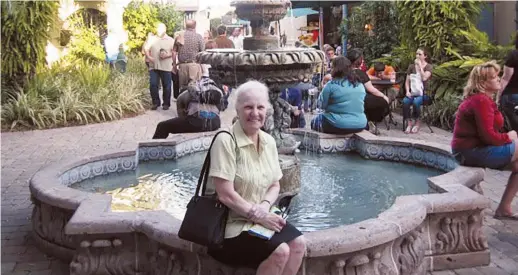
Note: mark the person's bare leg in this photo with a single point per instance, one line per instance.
(504, 208)
(297, 250)
(275, 263)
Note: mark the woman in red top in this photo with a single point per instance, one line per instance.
(476, 137)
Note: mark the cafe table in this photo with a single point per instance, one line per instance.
(385, 85)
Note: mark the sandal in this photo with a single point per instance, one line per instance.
(408, 129)
(415, 129)
(512, 217)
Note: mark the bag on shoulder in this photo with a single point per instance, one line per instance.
(206, 217)
(416, 85)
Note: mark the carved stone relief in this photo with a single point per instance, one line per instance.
(460, 234)
(409, 252)
(361, 264)
(106, 257)
(165, 262)
(49, 222)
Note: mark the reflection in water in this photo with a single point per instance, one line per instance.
(336, 189)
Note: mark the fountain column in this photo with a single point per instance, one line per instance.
(262, 59)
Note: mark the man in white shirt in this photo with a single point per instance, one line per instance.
(237, 38)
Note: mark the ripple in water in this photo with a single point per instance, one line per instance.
(336, 189)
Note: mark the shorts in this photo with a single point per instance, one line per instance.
(249, 251)
(494, 157)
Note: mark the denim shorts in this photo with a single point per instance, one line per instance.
(494, 157)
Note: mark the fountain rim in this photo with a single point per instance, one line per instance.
(93, 215)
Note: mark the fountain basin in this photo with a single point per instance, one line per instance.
(418, 233)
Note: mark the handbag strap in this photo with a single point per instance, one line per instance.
(204, 174)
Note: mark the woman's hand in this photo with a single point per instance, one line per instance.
(386, 99)
(512, 135)
(408, 94)
(265, 206)
(272, 221)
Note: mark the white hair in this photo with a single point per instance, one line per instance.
(252, 86)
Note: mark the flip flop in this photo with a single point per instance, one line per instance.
(513, 217)
(408, 129)
(415, 129)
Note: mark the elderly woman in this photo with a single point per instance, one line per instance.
(342, 102)
(476, 137)
(245, 175)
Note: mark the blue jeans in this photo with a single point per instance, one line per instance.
(415, 101)
(494, 157)
(166, 78)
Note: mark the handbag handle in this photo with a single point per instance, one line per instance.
(204, 174)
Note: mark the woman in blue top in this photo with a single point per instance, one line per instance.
(342, 101)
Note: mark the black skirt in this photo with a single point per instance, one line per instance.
(249, 251)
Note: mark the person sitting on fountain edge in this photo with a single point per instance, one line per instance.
(342, 101)
(198, 110)
(293, 95)
(245, 175)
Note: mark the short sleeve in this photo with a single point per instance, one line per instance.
(223, 158)
(410, 69)
(370, 71)
(364, 78)
(428, 68)
(276, 166)
(512, 60)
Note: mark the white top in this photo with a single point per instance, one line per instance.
(205, 70)
(238, 41)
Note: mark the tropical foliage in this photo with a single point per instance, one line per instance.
(381, 16)
(436, 24)
(85, 43)
(142, 18)
(24, 33)
(77, 93)
(447, 29)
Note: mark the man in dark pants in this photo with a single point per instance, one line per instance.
(160, 55)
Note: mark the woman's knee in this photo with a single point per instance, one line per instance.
(281, 253)
(298, 245)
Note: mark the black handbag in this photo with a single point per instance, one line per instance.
(206, 217)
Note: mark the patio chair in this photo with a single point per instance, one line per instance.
(429, 100)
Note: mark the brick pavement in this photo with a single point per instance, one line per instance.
(24, 153)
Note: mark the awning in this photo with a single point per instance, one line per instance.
(300, 12)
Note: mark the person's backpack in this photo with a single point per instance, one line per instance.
(206, 91)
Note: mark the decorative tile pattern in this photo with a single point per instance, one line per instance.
(367, 149)
(98, 168)
(376, 151)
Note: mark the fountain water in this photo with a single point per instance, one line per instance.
(263, 60)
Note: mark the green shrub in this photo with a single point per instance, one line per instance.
(78, 93)
(171, 17)
(24, 32)
(85, 43)
(435, 25)
(384, 36)
(141, 18)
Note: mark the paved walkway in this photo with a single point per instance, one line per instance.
(24, 153)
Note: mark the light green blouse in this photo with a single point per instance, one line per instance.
(251, 171)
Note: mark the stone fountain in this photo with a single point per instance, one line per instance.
(417, 234)
(262, 59)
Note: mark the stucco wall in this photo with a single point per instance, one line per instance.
(505, 14)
